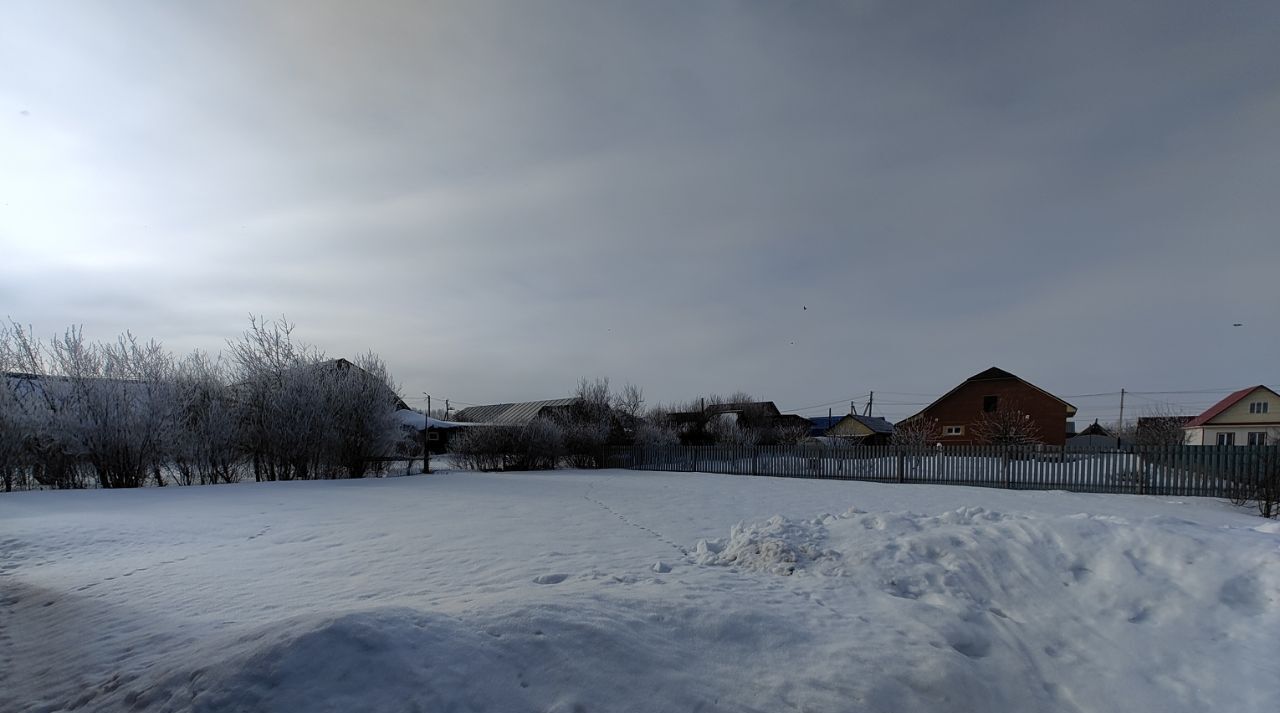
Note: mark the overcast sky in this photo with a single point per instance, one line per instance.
(805, 200)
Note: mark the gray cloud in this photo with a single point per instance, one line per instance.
(500, 198)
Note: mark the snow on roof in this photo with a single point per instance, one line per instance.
(418, 421)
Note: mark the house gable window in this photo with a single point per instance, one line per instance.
(1258, 438)
(1226, 439)
(953, 431)
(990, 403)
(1258, 407)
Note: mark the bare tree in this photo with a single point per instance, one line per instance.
(586, 427)
(1008, 425)
(629, 401)
(917, 434)
(1159, 425)
(1259, 485)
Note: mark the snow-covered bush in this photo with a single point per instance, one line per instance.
(118, 409)
(128, 413)
(538, 445)
(655, 430)
(207, 443)
(361, 404)
(14, 424)
(304, 416)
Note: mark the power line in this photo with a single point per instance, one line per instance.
(859, 397)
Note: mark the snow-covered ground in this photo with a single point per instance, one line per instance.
(631, 591)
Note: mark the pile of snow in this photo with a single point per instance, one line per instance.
(609, 591)
(777, 546)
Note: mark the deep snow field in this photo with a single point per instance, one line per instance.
(629, 591)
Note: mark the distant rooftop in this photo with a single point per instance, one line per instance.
(512, 413)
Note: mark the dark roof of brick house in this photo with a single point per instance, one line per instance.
(993, 374)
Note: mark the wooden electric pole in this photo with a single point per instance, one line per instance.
(426, 448)
(1120, 426)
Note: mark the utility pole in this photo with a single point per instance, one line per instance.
(426, 449)
(852, 410)
(1120, 426)
(870, 400)
(446, 409)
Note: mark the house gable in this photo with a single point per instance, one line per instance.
(961, 408)
(1252, 406)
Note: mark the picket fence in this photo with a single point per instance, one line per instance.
(1196, 471)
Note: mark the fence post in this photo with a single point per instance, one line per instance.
(1004, 466)
(902, 466)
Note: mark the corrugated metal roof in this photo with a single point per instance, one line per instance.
(511, 414)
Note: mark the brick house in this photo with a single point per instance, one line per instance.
(961, 409)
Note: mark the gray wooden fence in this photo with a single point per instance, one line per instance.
(1206, 471)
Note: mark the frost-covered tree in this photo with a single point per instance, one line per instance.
(35, 407)
(14, 423)
(361, 405)
(119, 406)
(207, 443)
(303, 416)
(280, 410)
(655, 430)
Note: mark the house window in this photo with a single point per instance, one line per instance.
(433, 436)
(1258, 407)
(953, 431)
(1258, 439)
(1226, 439)
(990, 403)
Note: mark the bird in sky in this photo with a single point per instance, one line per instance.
(1238, 324)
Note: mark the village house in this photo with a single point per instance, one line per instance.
(853, 428)
(962, 411)
(1248, 417)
